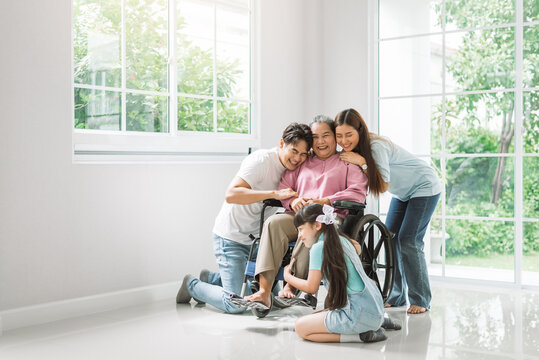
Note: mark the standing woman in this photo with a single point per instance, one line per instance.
(416, 190)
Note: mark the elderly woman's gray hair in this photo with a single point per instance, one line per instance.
(324, 119)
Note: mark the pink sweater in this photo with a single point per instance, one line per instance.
(331, 178)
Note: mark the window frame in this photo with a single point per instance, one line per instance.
(518, 220)
(89, 145)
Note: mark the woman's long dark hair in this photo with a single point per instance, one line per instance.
(333, 260)
(353, 118)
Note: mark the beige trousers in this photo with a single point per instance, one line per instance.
(278, 231)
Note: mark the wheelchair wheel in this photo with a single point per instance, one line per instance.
(377, 254)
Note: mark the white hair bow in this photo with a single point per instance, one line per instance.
(328, 217)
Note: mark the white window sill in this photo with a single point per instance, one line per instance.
(115, 147)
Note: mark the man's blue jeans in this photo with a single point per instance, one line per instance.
(232, 259)
(408, 220)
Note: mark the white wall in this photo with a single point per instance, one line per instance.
(72, 230)
(345, 56)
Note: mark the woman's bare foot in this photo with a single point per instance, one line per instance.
(260, 296)
(388, 305)
(416, 309)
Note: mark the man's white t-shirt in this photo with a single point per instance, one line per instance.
(262, 170)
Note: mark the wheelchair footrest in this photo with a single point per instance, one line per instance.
(239, 301)
(308, 301)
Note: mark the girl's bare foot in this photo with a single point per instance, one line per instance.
(416, 309)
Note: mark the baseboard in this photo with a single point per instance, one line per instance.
(65, 309)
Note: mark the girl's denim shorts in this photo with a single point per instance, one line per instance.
(360, 314)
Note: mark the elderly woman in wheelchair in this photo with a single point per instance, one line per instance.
(325, 179)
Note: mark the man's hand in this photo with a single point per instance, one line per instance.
(285, 194)
(299, 203)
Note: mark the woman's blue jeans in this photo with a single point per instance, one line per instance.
(409, 220)
(232, 259)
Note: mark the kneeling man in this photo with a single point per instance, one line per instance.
(257, 180)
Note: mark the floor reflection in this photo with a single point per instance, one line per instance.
(464, 323)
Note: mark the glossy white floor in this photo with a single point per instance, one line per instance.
(464, 323)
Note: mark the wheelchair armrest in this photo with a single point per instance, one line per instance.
(348, 205)
(273, 202)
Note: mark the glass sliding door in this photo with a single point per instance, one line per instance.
(458, 87)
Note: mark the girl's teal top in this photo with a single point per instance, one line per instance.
(354, 284)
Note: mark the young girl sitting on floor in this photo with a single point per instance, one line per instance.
(355, 307)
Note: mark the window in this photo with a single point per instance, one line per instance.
(458, 86)
(162, 77)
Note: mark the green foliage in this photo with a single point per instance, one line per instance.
(232, 117)
(465, 14)
(195, 114)
(531, 187)
(531, 10)
(97, 109)
(146, 47)
(147, 113)
(531, 238)
(481, 238)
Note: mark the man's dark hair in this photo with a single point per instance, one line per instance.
(296, 132)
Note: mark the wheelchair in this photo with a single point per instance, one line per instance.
(377, 252)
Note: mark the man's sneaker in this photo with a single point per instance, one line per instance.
(183, 296)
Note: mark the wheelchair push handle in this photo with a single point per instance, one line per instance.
(272, 202)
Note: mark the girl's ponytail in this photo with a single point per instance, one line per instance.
(334, 269)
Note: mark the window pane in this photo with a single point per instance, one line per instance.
(466, 14)
(147, 113)
(480, 250)
(531, 10)
(97, 109)
(480, 60)
(232, 117)
(232, 53)
(531, 56)
(531, 186)
(96, 42)
(402, 18)
(413, 122)
(531, 122)
(474, 188)
(530, 251)
(195, 114)
(384, 201)
(480, 123)
(146, 28)
(194, 48)
(411, 66)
